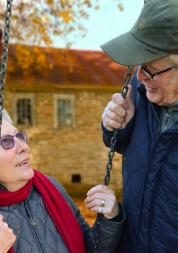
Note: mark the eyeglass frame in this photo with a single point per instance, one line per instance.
(12, 139)
(152, 75)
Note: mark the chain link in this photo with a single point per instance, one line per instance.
(4, 57)
(114, 137)
(110, 158)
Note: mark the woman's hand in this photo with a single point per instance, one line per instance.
(7, 237)
(101, 199)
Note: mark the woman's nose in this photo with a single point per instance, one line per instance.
(141, 76)
(21, 146)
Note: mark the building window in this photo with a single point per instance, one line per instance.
(76, 178)
(23, 107)
(24, 111)
(64, 110)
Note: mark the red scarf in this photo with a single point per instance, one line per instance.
(58, 209)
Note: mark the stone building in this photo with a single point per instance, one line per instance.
(60, 106)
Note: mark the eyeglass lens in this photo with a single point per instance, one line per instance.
(7, 141)
(152, 75)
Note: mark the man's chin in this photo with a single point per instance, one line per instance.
(153, 99)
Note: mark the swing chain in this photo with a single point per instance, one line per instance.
(110, 158)
(115, 132)
(4, 57)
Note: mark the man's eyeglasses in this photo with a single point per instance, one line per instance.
(152, 75)
(7, 141)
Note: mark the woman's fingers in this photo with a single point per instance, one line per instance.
(99, 188)
(109, 211)
(7, 236)
(90, 203)
(101, 199)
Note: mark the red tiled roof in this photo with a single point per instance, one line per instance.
(84, 67)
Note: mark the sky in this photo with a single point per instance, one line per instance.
(106, 23)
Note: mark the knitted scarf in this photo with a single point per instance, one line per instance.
(56, 206)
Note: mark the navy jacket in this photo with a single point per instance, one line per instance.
(150, 179)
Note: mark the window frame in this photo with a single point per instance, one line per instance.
(14, 109)
(58, 97)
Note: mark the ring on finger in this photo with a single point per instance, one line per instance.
(102, 203)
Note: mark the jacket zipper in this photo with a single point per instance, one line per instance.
(155, 113)
(157, 118)
(34, 226)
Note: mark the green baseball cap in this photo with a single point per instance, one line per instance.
(154, 35)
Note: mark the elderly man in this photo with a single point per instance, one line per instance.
(147, 120)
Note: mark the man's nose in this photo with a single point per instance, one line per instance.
(141, 76)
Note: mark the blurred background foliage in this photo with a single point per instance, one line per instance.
(37, 22)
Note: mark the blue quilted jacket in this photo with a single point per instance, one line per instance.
(150, 179)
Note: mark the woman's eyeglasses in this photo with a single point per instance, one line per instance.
(7, 141)
(152, 75)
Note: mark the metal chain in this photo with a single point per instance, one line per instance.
(4, 57)
(110, 157)
(114, 137)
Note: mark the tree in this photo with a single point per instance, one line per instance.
(37, 22)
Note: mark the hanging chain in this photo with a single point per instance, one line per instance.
(110, 157)
(4, 57)
(114, 137)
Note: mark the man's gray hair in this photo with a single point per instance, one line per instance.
(6, 116)
(174, 58)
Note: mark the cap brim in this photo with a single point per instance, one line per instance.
(126, 50)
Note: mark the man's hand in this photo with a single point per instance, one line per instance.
(119, 111)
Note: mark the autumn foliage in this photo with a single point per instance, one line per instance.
(38, 22)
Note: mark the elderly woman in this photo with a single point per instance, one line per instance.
(38, 211)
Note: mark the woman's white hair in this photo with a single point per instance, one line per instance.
(6, 116)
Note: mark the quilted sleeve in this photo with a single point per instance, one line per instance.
(109, 230)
